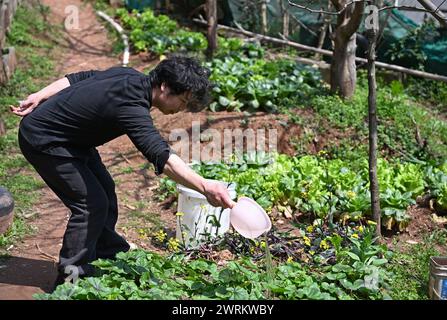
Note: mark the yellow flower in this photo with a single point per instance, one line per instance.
(310, 229)
(262, 244)
(324, 245)
(289, 260)
(173, 244)
(180, 214)
(355, 235)
(361, 229)
(161, 235)
(371, 223)
(312, 252)
(306, 241)
(351, 194)
(142, 234)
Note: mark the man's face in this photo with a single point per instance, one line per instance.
(169, 103)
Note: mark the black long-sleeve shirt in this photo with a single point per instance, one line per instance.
(97, 107)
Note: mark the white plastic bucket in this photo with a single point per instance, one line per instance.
(197, 220)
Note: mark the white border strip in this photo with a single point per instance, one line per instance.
(121, 32)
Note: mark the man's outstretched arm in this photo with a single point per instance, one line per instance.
(33, 100)
(216, 194)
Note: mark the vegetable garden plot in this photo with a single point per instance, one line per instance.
(329, 256)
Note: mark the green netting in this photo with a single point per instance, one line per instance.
(437, 53)
(139, 4)
(305, 28)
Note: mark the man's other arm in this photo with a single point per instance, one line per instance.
(33, 100)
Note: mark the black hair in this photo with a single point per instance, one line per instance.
(182, 74)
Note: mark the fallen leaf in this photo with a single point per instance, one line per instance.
(130, 207)
(431, 204)
(288, 212)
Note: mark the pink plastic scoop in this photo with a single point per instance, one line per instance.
(249, 219)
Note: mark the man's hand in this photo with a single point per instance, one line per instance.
(33, 100)
(27, 105)
(217, 195)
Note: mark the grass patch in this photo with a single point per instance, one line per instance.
(400, 117)
(141, 215)
(411, 267)
(35, 68)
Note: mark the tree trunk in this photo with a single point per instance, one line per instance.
(285, 19)
(264, 17)
(211, 12)
(372, 112)
(343, 70)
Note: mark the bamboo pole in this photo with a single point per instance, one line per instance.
(372, 118)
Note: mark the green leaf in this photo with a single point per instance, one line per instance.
(223, 101)
(353, 256)
(379, 262)
(254, 104)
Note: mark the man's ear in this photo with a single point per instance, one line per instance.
(163, 87)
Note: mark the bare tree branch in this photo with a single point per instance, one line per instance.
(325, 11)
(407, 8)
(427, 4)
(326, 52)
(411, 8)
(304, 26)
(356, 18)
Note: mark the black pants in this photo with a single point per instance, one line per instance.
(85, 186)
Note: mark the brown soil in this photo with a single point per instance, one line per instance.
(424, 221)
(290, 136)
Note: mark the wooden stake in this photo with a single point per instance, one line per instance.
(211, 12)
(264, 16)
(372, 113)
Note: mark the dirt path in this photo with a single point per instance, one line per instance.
(31, 268)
